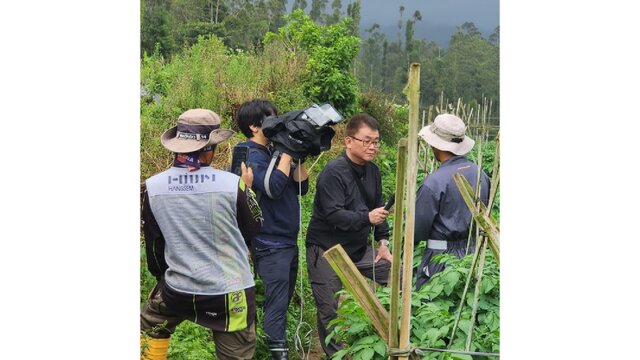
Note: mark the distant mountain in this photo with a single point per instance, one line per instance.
(440, 34)
(439, 17)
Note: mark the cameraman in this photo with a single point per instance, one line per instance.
(276, 250)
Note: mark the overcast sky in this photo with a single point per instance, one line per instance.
(439, 17)
(484, 13)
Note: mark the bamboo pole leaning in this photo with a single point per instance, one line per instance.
(357, 285)
(480, 215)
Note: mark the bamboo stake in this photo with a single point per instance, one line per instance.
(412, 91)
(476, 296)
(474, 260)
(478, 183)
(495, 177)
(431, 159)
(357, 285)
(401, 170)
(482, 239)
(422, 163)
(479, 274)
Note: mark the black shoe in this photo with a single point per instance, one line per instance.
(279, 350)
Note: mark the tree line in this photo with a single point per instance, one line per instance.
(468, 68)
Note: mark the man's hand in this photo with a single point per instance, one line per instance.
(377, 216)
(247, 174)
(383, 253)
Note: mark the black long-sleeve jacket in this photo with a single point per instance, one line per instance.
(340, 214)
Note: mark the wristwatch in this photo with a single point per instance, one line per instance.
(384, 242)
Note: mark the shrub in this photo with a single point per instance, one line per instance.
(330, 51)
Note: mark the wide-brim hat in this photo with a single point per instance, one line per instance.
(447, 133)
(196, 129)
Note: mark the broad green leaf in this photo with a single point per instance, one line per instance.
(380, 348)
(367, 354)
(439, 344)
(338, 355)
(356, 328)
(453, 277)
(432, 334)
(487, 284)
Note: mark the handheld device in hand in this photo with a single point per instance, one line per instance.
(240, 154)
(390, 203)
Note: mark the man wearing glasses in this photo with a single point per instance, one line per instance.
(347, 204)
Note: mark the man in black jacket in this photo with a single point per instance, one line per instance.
(348, 202)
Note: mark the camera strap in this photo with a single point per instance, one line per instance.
(267, 176)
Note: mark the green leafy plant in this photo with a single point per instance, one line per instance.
(433, 314)
(330, 51)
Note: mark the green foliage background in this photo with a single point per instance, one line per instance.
(204, 64)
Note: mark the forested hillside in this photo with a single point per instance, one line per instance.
(468, 68)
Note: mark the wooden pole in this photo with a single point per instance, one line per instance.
(412, 91)
(480, 214)
(481, 241)
(476, 296)
(357, 285)
(495, 177)
(401, 169)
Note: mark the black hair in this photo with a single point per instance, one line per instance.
(252, 112)
(360, 120)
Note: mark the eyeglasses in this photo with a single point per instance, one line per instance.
(367, 143)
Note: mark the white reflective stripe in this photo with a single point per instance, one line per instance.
(437, 244)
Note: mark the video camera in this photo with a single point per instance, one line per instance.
(305, 132)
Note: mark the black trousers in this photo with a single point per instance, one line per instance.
(278, 270)
(325, 284)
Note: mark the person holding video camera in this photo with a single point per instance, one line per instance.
(275, 250)
(348, 202)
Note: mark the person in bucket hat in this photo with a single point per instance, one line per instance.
(196, 129)
(442, 218)
(199, 223)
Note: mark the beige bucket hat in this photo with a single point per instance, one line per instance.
(196, 129)
(447, 133)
